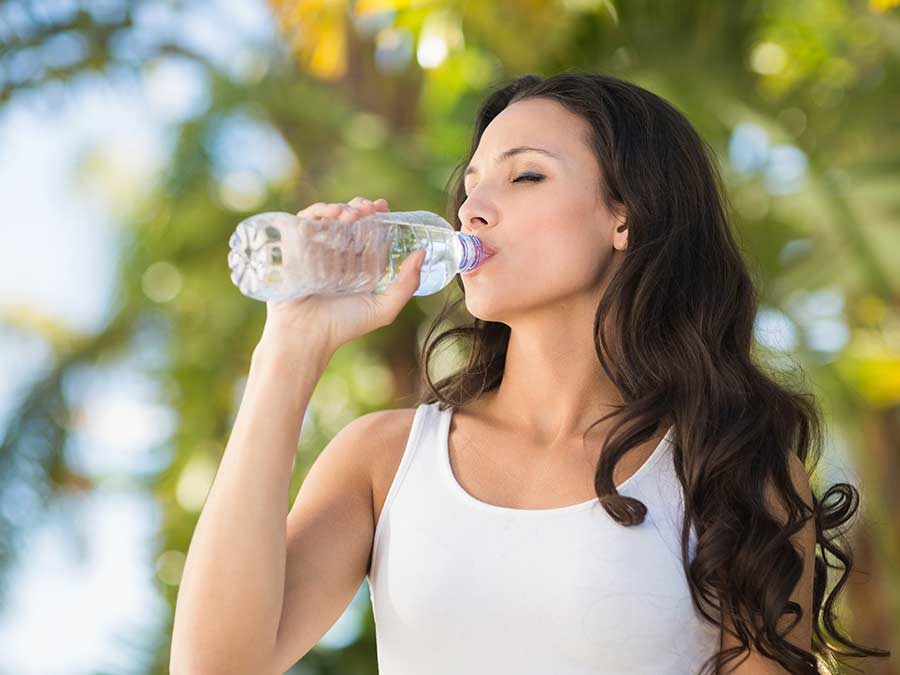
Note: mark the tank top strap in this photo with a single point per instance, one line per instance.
(421, 451)
(662, 493)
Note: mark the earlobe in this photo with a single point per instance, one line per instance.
(623, 228)
(620, 216)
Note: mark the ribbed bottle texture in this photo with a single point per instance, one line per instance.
(279, 256)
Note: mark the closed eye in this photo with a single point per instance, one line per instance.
(530, 177)
(533, 177)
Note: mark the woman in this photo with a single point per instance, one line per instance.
(618, 304)
(609, 365)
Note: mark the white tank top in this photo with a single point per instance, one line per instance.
(461, 586)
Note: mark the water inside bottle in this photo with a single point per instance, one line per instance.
(443, 252)
(277, 256)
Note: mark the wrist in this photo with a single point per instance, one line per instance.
(272, 348)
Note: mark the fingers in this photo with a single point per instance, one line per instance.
(320, 210)
(379, 203)
(348, 212)
(360, 206)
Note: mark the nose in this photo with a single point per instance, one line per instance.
(474, 218)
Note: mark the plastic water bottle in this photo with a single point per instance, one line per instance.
(280, 256)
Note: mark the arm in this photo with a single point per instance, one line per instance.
(805, 540)
(331, 529)
(231, 592)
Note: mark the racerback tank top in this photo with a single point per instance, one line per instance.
(462, 587)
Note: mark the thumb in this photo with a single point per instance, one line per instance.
(407, 280)
(400, 291)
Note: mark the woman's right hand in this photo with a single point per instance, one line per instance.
(332, 321)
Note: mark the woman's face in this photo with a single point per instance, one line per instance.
(542, 214)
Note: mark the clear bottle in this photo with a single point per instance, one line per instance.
(280, 256)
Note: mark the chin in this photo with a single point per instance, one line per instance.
(482, 306)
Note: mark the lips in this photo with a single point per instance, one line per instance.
(485, 256)
(485, 259)
(487, 248)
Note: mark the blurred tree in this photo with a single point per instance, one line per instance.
(377, 98)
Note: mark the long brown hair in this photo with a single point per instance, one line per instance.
(683, 303)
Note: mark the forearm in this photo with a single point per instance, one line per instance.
(232, 588)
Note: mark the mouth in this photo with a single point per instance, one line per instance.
(484, 260)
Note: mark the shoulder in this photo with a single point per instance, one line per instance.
(386, 425)
(371, 439)
(386, 433)
(800, 480)
(379, 432)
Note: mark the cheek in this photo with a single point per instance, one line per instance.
(563, 256)
(563, 270)
(544, 268)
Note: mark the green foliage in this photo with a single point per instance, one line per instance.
(820, 75)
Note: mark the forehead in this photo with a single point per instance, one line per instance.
(535, 122)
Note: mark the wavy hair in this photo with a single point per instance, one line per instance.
(683, 305)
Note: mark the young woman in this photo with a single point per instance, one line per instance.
(610, 484)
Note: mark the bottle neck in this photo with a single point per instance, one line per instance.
(472, 251)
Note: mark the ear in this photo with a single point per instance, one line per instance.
(620, 231)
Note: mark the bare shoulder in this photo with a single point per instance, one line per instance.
(369, 445)
(384, 423)
(385, 429)
(389, 431)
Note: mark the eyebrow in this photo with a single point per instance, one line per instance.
(506, 154)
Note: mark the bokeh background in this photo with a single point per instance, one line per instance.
(134, 136)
